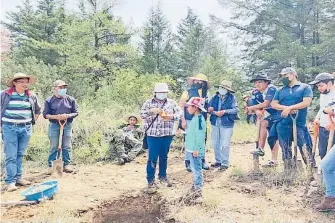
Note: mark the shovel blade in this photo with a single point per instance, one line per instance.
(57, 167)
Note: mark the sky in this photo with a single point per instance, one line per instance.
(136, 11)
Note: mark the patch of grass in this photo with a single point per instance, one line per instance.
(244, 133)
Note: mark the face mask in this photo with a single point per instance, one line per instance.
(285, 81)
(222, 91)
(62, 92)
(161, 96)
(197, 85)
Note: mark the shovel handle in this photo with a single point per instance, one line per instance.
(295, 136)
(61, 129)
(331, 133)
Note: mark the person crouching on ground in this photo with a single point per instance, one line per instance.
(195, 143)
(60, 108)
(328, 171)
(126, 141)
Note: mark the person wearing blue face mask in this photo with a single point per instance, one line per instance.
(223, 108)
(60, 107)
(291, 101)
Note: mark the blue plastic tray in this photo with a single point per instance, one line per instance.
(47, 193)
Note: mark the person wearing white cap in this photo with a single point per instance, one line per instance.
(292, 101)
(19, 111)
(159, 114)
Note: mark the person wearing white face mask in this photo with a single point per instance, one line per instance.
(159, 114)
(60, 108)
(223, 109)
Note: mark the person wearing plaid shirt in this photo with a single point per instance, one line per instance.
(159, 132)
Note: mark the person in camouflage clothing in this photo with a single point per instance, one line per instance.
(126, 142)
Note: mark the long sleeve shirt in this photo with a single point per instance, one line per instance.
(195, 135)
(325, 100)
(160, 127)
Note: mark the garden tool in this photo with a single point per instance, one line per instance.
(57, 165)
(315, 139)
(296, 163)
(256, 156)
(331, 133)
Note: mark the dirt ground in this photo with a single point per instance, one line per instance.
(109, 193)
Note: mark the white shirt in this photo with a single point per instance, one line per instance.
(325, 100)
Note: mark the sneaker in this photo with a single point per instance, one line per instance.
(258, 151)
(11, 187)
(23, 182)
(223, 168)
(204, 165)
(188, 166)
(165, 182)
(270, 164)
(68, 169)
(328, 204)
(215, 165)
(151, 188)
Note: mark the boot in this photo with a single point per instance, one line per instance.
(22, 182)
(188, 165)
(204, 165)
(328, 204)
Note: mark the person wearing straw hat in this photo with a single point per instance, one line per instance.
(60, 107)
(19, 111)
(159, 114)
(262, 97)
(199, 86)
(125, 144)
(325, 84)
(223, 108)
(293, 97)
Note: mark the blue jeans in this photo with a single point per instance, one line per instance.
(328, 171)
(196, 167)
(285, 137)
(16, 139)
(158, 148)
(323, 141)
(221, 137)
(53, 133)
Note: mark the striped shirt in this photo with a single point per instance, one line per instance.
(160, 127)
(18, 109)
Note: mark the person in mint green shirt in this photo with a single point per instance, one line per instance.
(195, 144)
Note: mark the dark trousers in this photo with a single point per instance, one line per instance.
(323, 141)
(158, 148)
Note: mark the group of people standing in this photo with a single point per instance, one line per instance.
(280, 111)
(20, 110)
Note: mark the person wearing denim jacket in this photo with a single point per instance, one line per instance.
(19, 111)
(223, 108)
(60, 108)
(328, 171)
(195, 143)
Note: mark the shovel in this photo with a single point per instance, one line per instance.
(256, 156)
(331, 134)
(296, 163)
(57, 165)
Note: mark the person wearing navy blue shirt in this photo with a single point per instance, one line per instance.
(263, 96)
(223, 109)
(292, 101)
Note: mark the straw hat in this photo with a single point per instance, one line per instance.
(226, 85)
(199, 77)
(128, 116)
(32, 79)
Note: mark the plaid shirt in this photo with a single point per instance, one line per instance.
(160, 127)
